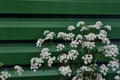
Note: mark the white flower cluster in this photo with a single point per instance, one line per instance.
(78, 77)
(18, 69)
(117, 77)
(99, 77)
(90, 37)
(50, 35)
(85, 69)
(4, 75)
(62, 58)
(39, 42)
(44, 55)
(60, 47)
(103, 37)
(46, 32)
(79, 38)
(114, 64)
(72, 55)
(36, 63)
(70, 36)
(87, 58)
(70, 28)
(50, 61)
(81, 41)
(74, 44)
(65, 70)
(103, 69)
(111, 50)
(89, 45)
(80, 23)
(84, 28)
(97, 25)
(108, 27)
(65, 36)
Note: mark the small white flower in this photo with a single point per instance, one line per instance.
(70, 36)
(103, 32)
(36, 63)
(91, 26)
(70, 28)
(63, 58)
(46, 32)
(99, 23)
(80, 23)
(65, 71)
(117, 77)
(103, 37)
(60, 47)
(62, 35)
(78, 77)
(99, 77)
(90, 37)
(111, 50)
(84, 28)
(50, 61)
(50, 35)
(108, 27)
(39, 42)
(74, 44)
(114, 65)
(118, 72)
(18, 69)
(79, 38)
(103, 69)
(5, 75)
(89, 45)
(72, 54)
(84, 69)
(87, 58)
(45, 54)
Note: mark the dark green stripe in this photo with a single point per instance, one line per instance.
(32, 28)
(11, 54)
(61, 7)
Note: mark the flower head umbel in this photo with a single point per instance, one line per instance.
(80, 23)
(90, 37)
(111, 50)
(70, 28)
(60, 47)
(89, 45)
(4, 75)
(108, 27)
(50, 61)
(45, 54)
(103, 69)
(39, 42)
(65, 70)
(18, 69)
(87, 58)
(36, 63)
